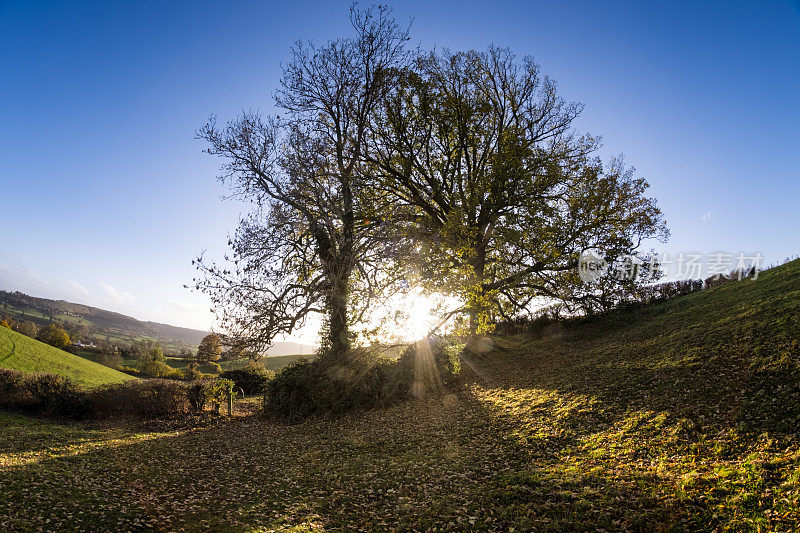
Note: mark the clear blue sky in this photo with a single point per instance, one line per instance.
(106, 196)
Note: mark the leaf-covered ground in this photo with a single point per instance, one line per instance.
(677, 416)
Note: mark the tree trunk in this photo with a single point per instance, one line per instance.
(473, 340)
(338, 327)
(337, 272)
(478, 269)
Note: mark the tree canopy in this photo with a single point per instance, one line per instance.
(315, 241)
(502, 194)
(145, 350)
(54, 335)
(210, 348)
(461, 172)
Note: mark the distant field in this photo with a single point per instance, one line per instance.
(275, 362)
(125, 340)
(24, 312)
(113, 335)
(23, 353)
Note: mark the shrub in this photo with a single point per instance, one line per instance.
(215, 368)
(13, 394)
(540, 325)
(59, 396)
(129, 370)
(198, 394)
(220, 391)
(159, 369)
(40, 393)
(251, 379)
(145, 398)
(54, 395)
(289, 395)
(191, 372)
(363, 379)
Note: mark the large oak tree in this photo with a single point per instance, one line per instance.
(502, 194)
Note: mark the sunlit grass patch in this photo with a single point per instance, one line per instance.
(23, 353)
(694, 402)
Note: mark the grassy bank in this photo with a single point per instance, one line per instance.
(680, 415)
(29, 355)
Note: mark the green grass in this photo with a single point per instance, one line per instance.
(23, 313)
(275, 362)
(680, 416)
(687, 410)
(23, 353)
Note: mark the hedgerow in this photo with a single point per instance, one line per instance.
(56, 396)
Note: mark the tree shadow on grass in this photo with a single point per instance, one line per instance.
(688, 438)
(716, 391)
(452, 464)
(23, 434)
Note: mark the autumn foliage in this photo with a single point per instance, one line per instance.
(55, 335)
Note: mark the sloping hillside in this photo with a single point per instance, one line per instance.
(23, 353)
(678, 416)
(103, 324)
(684, 412)
(730, 353)
(115, 327)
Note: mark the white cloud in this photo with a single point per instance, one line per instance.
(37, 277)
(77, 287)
(705, 217)
(14, 277)
(122, 297)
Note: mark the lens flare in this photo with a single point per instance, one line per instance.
(417, 316)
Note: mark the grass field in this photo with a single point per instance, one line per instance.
(275, 362)
(23, 353)
(681, 415)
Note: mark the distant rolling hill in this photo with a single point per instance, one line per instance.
(116, 327)
(23, 353)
